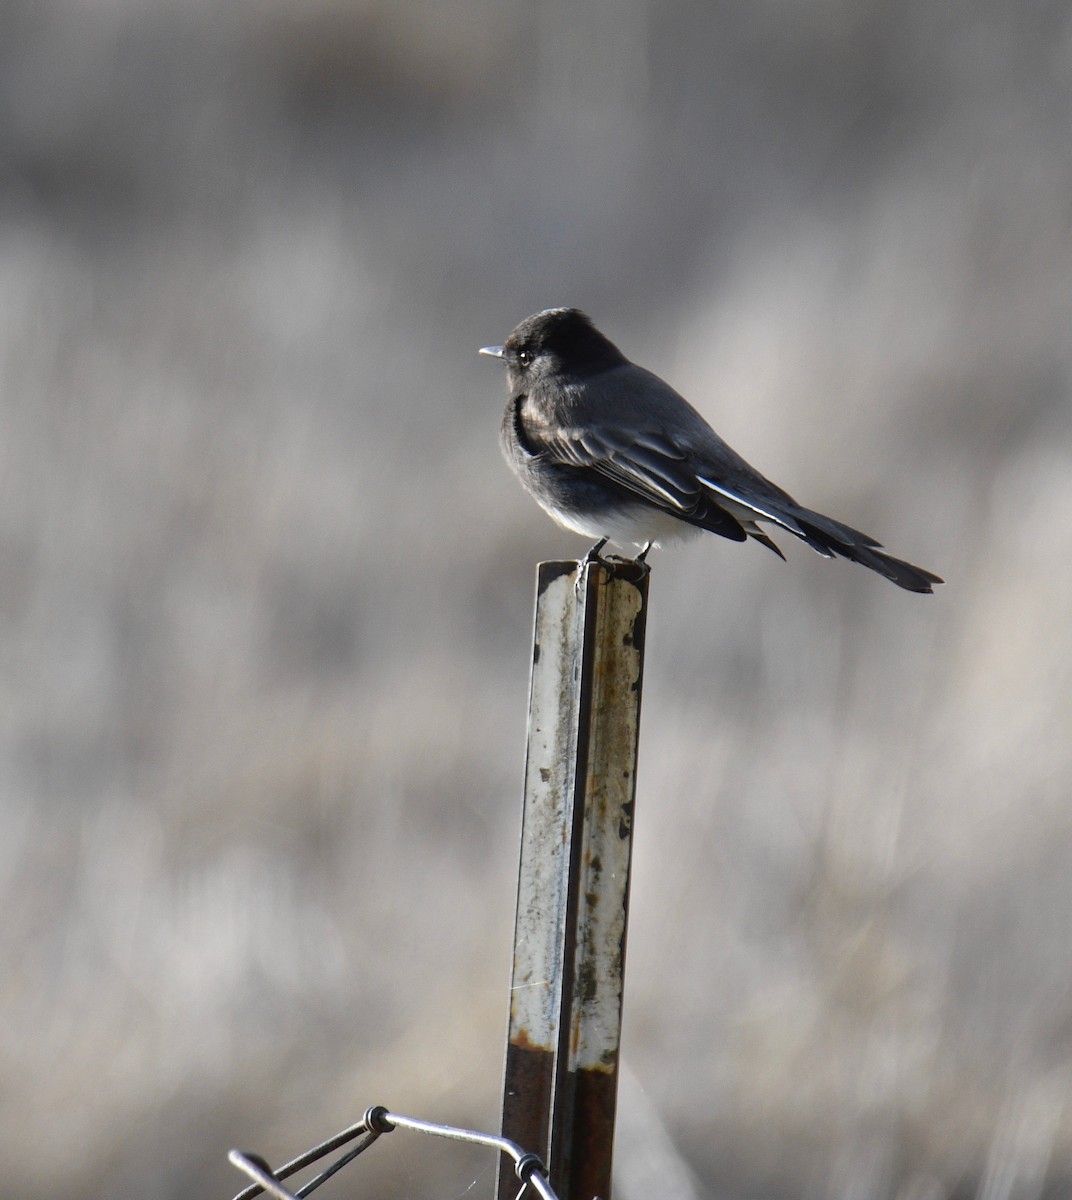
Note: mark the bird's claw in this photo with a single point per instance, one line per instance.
(594, 555)
(611, 561)
(639, 562)
(620, 560)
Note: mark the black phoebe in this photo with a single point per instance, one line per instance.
(612, 452)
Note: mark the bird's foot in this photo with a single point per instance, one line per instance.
(641, 559)
(593, 554)
(611, 562)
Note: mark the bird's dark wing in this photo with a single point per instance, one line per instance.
(694, 475)
(647, 466)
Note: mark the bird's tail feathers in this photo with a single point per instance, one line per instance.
(759, 536)
(823, 534)
(830, 537)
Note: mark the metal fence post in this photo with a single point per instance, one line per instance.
(561, 1075)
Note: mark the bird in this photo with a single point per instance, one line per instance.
(613, 452)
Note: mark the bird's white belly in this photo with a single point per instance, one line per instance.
(628, 525)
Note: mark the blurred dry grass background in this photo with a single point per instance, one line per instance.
(266, 586)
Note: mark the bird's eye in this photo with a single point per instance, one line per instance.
(524, 357)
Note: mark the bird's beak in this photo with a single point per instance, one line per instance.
(492, 351)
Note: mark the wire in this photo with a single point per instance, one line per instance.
(528, 1168)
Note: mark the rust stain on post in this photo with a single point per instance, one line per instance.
(529, 1078)
(595, 1098)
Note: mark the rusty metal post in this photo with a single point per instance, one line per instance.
(561, 1076)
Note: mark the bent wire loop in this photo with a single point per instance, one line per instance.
(529, 1169)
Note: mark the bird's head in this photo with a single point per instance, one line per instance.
(557, 341)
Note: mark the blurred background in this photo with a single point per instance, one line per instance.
(266, 585)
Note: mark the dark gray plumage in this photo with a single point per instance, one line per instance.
(611, 451)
